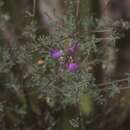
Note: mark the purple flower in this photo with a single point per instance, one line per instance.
(72, 67)
(55, 53)
(73, 48)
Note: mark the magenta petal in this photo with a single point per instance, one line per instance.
(73, 48)
(56, 54)
(72, 67)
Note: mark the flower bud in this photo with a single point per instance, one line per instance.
(55, 53)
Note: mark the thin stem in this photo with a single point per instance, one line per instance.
(34, 7)
(106, 6)
(111, 82)
(77, 8)
(81, 120)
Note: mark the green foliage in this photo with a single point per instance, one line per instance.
(33, 76)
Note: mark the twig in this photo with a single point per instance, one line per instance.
(77, 8)
(34, 7)
(111, 82)
(10, 40)
(106, 6)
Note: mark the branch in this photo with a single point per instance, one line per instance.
(10, 40)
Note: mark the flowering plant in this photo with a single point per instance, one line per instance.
(66, 58)
(49, 73)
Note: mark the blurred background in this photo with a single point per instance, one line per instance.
(115, 114)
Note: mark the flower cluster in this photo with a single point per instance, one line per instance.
(66, 57)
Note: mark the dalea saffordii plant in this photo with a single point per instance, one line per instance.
(58, 66)
(56, 70)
